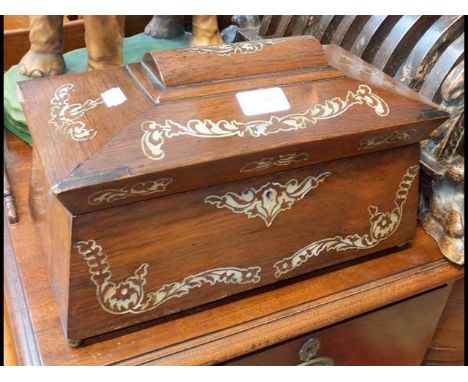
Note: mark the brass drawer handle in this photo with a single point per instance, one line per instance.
(318, 361)
(308, 354)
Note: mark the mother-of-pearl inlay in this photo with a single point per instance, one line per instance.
(278, 160)
(382, 226)
(129, 295)
(155, 133)
(269, 200)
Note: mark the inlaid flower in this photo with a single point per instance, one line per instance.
(125, 295)
(129, 295)
(251, 274)
(124, 290)
(383, 224)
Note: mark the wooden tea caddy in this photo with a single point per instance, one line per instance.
(205, 172)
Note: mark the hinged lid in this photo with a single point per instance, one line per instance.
(190, 118)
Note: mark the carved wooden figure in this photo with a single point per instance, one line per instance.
(205, 172)
(104, 40)
(44, 58)
(205, 29)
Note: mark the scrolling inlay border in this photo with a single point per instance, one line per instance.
(138, 189)
(278, 160)
(129, 296)
(382, 226)
(154, 133)
(394, 137)
(244, 47)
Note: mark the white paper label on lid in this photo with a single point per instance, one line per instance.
(263, 101)
(113, 97)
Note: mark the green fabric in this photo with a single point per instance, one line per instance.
(76, 61)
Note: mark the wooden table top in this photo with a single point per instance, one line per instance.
(214, 333)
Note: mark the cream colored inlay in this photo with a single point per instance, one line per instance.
(244, 47)
(269, 200)
(138, 189)
(129, 296)
(154, 133)
(279, 160)
(66, 117)
(393, 137)
(382, 226)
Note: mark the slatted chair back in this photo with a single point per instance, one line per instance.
(420, 51)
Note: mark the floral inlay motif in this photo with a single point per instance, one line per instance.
(269, 200)
(154, 133)
(129, 296)
(382, 226)
(66, 117)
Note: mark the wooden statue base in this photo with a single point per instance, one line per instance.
(271, 318)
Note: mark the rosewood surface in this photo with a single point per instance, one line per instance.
(427, 53)
(419, 51)
(120, 150)
(391, 336)
(182, 235)
(150, 201)
(215, 333)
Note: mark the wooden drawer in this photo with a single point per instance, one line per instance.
(397, 334)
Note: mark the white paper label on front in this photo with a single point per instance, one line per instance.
(262, 101)
(113, 97)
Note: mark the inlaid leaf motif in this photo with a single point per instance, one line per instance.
(129, 296)
(393, 137)
(243, 47)
(137, 189)
(382, 226)
(155, 133)
(269, 200)
(279, 160)
(66, 117)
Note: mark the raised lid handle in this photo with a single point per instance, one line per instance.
(248, 58)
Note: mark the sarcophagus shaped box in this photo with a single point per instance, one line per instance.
(205, 172)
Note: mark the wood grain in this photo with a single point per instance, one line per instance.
(419, 51)
(447, 346)
(175, 241)
(377, 338)
(235, 328)
(9, 349)
(111, 158)
(178, 235)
